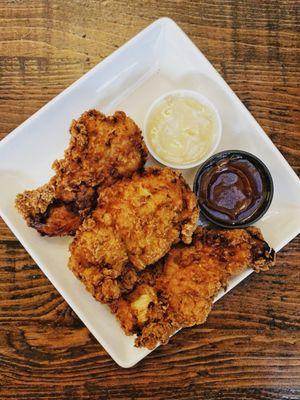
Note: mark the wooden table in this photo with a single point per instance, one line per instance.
(249, 347)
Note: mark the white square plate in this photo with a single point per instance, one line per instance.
(159, 59)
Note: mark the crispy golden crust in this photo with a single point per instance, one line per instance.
(102, 150)
(182, 288)
(135, 224)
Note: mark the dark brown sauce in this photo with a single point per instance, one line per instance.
(231, 190)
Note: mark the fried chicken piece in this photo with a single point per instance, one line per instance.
(102, 150)
(179, 291)
(135, 224)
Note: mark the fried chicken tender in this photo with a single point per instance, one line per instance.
(135, 224)
(179, 291)
(102, 150)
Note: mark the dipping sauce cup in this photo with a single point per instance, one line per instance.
(234, 189)
(182, 129)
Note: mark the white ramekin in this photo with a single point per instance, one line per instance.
(201, 99)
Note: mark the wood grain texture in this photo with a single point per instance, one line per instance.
(249, 348)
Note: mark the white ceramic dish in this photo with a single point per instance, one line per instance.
(159, 59)
(202, 100)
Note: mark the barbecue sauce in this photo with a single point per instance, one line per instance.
(232, 190)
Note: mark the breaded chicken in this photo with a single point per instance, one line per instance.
(179, 291)
(135, 224)
(102, 150)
